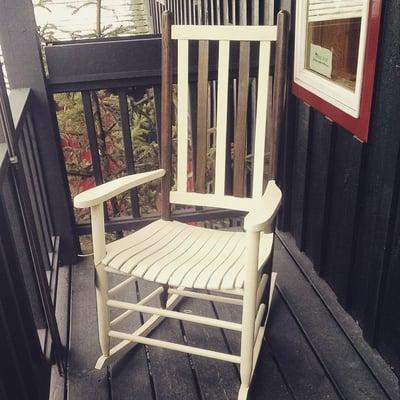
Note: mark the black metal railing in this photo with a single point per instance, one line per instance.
(28, 253)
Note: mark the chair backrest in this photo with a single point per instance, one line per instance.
(224, 35)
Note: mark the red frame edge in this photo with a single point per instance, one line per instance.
(357, 126)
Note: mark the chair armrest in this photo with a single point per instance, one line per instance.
(265, 210)
(106, 191)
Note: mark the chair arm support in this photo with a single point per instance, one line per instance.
(265, 210)
(106, 191)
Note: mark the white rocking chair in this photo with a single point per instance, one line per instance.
(183, 258)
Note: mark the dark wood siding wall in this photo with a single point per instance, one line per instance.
(342, 198)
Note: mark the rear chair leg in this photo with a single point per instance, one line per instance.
(164, 297)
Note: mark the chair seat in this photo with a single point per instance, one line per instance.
(178, 254)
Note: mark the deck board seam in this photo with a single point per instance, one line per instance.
(333, 315)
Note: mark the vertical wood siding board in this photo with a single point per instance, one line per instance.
(382, 154)
(388, 327)
(300, 172)
(287, 162)
(391, 240)
(202, 107)
(318, 191)
(128, 149)
(343, 212)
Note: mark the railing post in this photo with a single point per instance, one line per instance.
(24, 64)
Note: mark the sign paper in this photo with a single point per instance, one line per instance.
(321, 60)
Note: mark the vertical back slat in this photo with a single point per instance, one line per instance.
(183, 98)
(280, 79)
(166, 112)
(222, 109)
(261, 119)
(202, 106)
(239, 163)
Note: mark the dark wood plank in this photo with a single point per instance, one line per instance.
(62, 304)
(342, 217)
(347, 372)
(293, 354)
(388, 334)
(171, 371)
(321, 166)
(299, 174)
(240, 147)
(85, 382)
(129, 376)
(381, 180)
(202, 108)
(166, 117)
(380, 371)
(226, 386)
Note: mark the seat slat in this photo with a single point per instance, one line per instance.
(222, 109)
(261, 119)
(167, 274)
(183, 98)
(178, 254)
(156, 267)
(216, 249)
(223, 258)
(162, 246)
(180, 273)
(140, 250)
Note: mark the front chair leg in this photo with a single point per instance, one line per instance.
(103, 313)
(249, 314)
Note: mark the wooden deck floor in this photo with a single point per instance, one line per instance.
(313, 350)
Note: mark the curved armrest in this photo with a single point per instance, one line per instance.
(264, 212)
(101, 193)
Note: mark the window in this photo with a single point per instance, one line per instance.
(331, 49)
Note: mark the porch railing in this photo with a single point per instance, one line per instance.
(28, 253)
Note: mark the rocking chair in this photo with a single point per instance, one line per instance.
(192, 261)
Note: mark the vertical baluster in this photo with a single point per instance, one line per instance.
(128, 149)
(35, 172)
(33, 143)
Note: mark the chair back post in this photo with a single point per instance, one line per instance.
(166, 114)
(279, 91)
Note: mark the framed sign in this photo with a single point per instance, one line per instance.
(336, 45)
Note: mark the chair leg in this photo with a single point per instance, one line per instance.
(248, 316)
(164, 297)
(103, 313)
